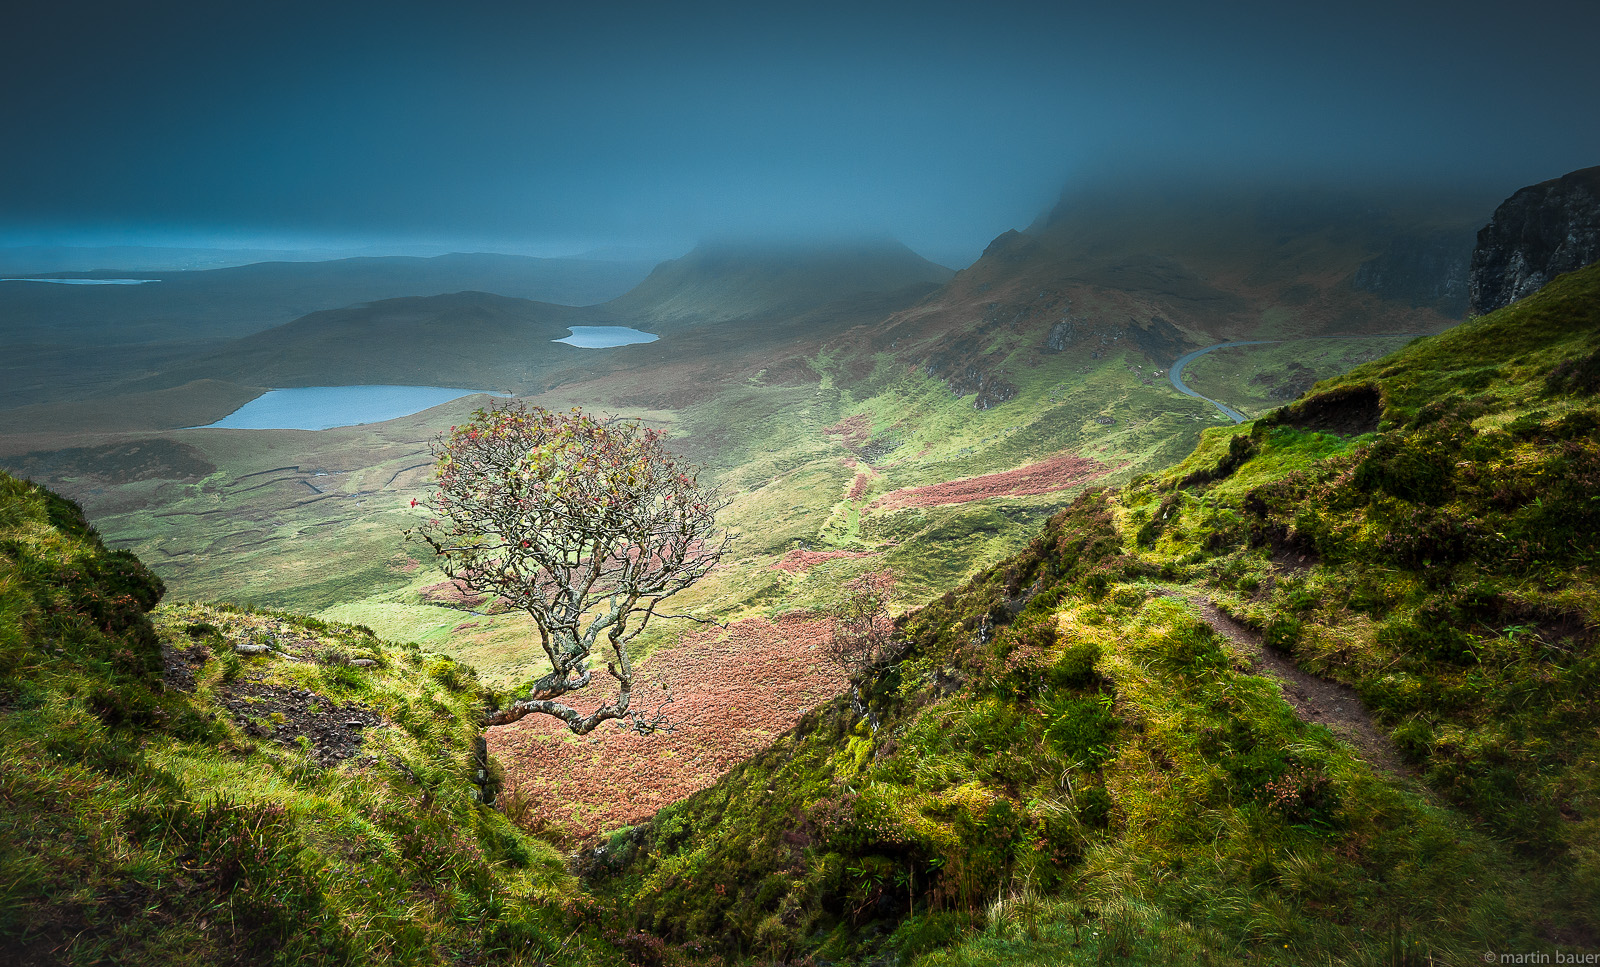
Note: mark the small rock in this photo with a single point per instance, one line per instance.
(363, 663)
(355, 724)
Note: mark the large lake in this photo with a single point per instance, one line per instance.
(605, 337)
(325, 407)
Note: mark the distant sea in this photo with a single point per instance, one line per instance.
(87, 281)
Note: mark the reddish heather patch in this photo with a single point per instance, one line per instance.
(452, 593)
(1046, 476)
(736, 690)
(859, 487)
(799, 562)
(852, 431)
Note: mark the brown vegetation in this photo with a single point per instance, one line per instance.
(852, 431)
(1047, 476)
(735, 690)
(799, 562)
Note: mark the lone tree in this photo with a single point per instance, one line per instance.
(861, 633)
(586, 524)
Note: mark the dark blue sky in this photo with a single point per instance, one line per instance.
(525, 126)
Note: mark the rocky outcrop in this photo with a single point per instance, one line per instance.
(971, 375)
(1060, 336)
(1535, 235)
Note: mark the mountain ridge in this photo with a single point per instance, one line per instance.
(1189, 266)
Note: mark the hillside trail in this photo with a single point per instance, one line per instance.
(1314, 699)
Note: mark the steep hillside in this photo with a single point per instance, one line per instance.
(204, 785)
(727, 281)
(1318, 693)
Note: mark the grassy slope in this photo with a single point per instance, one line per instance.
(753, 401)
(145, 823)
(1072, 767)
(255, 531)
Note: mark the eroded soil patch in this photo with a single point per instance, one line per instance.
(1347, 411)
(286, 715)
(1295, 562)
(180, 666)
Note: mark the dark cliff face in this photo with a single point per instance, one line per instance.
(1535, 235)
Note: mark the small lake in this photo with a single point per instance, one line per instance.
(326, 407)
(605, 337)
(87, 281)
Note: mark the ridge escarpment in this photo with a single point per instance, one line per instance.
(1535, 235)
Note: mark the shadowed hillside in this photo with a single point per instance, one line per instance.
(471, 339)
(226, 303)
(65, 342)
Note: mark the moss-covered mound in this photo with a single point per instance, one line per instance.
(216, 786)
(1068, 764)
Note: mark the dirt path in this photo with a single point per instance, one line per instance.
(1314, 699)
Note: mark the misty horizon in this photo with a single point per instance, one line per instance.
(411, 129)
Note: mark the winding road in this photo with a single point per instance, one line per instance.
(1176, 375)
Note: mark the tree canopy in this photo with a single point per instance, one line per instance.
(586, 524)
